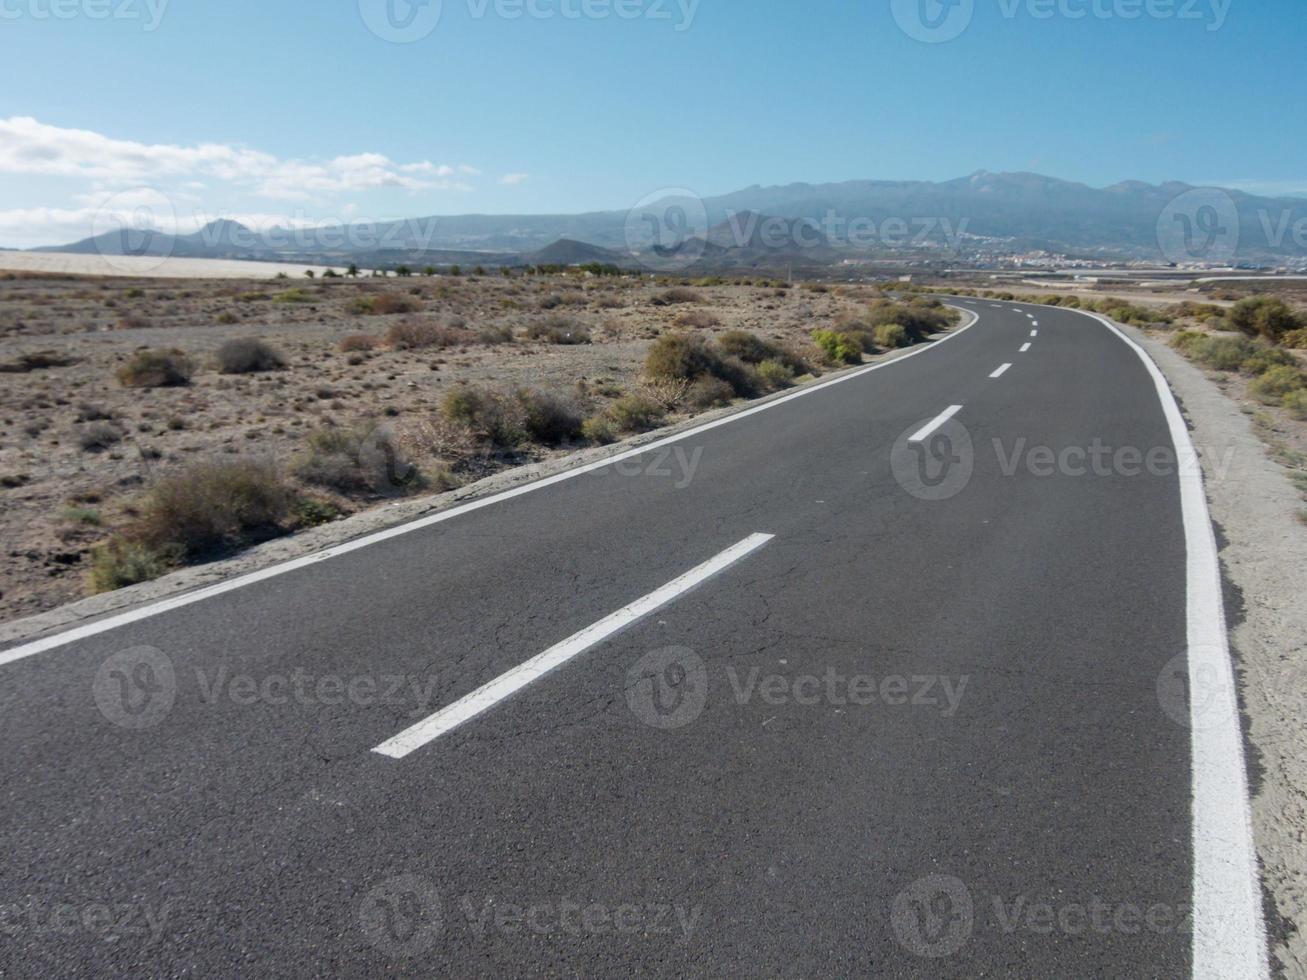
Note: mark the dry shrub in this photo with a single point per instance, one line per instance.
(358, 342)
(367, 460)
(547, 418)
(486, 414)
(559, 330)
(156, 369)
(383, 304)
(98, 436)
(36, 361)
(570, 298)
(248, 355)
(418, 334)
(213, 506)
(675, 295)
(698, 319)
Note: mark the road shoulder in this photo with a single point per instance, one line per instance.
(1263, 552)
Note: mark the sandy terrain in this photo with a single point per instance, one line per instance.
(145, 267)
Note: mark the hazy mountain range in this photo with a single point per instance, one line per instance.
(800, 224)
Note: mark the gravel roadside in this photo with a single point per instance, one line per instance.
(1263, 555)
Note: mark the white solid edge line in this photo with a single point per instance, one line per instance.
(1001, 371)
(509, 683)
(218, 588)
(922, 434)
(1229, 933)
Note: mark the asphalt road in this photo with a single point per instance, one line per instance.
(924, 729)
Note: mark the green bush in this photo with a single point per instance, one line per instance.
(1264, 316)
(1267, 358)
(247, 356)
(156, 369)
(891, 335)
(1272, 387)
(775, 374)
(840, 348)
(1185, 340)
(679, 357)
(1222, 353)
(748, 347)
(920, 317)
(1296, 339)
(293, 296)
(635, 413)
(1296, 402)
(118, 563)
(485, 414)
(599, 429)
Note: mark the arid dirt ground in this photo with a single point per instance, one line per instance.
(63, 338)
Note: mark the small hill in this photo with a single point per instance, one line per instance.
(568, 251)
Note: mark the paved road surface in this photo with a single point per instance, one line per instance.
(930, 723)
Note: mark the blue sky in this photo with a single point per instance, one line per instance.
(260, 109)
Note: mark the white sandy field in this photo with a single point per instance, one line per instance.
(149, 267)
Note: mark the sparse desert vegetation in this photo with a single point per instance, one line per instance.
(193, 418)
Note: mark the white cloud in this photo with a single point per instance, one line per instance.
(513, 178)
(31, 147)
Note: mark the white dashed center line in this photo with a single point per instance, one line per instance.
(505, 685)
(1001, 371)
(922, 434)
(1024, 348)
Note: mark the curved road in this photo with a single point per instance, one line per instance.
(886, 678)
